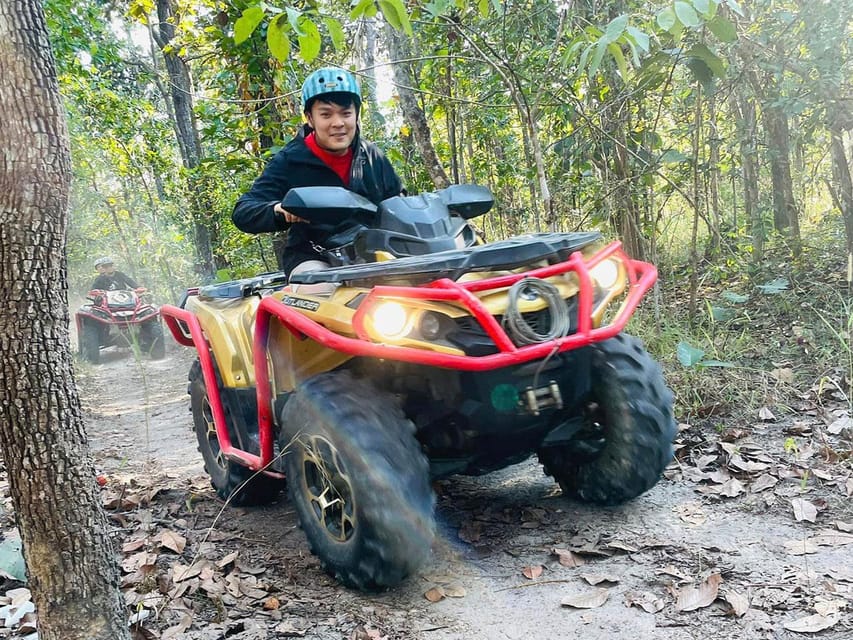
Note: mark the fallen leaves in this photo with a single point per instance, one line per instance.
(587, 599)
(691, 598)
(446, 587)
(531, 573)
(812, 624)
(804, 510)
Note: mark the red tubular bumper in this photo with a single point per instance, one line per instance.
(641, 277)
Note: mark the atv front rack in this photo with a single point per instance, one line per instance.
(187, 331)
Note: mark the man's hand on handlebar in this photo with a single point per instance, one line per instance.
(289, 217)
(140, 290)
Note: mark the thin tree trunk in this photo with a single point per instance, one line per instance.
(399, 50)
(713, 177)
(785, 213)
(697, 200)
(69, 557)
(843, 188)
(746, 123)
(180, 94)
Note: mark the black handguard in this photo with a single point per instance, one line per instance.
(328, 205)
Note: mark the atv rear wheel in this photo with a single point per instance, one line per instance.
(358, 480)
(230, 479)
(629, 428)
(90, 342)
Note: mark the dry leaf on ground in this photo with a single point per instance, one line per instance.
(598, 578)
(799, 547)
(646, 601)
(172, 541)
(812, 624)
(739, 602)
(455, 590)
(804, 510)
(533, 572)
(586, 600)
(567, 559)
(692, 598)
(435, 594)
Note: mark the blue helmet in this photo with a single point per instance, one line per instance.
(330, 80)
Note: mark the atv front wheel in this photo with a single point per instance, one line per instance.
(151, 339)
(626, 441)
(90, 342)
(231, 480)
(358, 480)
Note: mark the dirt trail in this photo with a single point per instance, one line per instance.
(655, 554)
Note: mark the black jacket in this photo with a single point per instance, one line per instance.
(117, 280)
(371, 175)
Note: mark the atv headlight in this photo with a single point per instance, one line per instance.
(606, 273)
(390, 320)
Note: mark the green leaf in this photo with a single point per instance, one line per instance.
(673, 156)
(336, 32)
(309, 43)
(395, 13)
(703, 6)
(294, 17)
(734, 6)
(688, 355)
(714, 62)
(615, 28)
(701, 71)
(736, 298)
(619, 57)
(666, 19)
(277, 38)
(600, 48)
(363, 9)
(774, 286)
(687, 14)
(723, 28)
(12, 560)
(641, 38)
(483, 7)
(716, 363)
(247, 23)
(721, 314)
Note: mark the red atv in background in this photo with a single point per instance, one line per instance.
(118, 318)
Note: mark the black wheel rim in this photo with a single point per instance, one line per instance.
(327, 488)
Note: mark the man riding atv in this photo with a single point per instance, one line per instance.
(109, 279)
(327, 151)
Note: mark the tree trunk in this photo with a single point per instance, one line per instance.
(713, 199)
(843, 188)
(181, 96)
(746, 123)
(400, 52)
(70, 561)
(785, 213)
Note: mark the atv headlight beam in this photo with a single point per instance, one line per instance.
(606, 273)
(390, 320)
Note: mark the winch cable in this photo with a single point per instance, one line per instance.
(519, 329)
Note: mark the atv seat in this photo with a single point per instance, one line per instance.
(244, 287)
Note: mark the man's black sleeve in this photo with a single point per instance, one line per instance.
(101, 282)
(126, 281)
(253, 212)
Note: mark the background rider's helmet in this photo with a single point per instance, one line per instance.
(102, 261)
(330, 80)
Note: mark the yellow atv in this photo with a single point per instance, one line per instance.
(430, 354)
